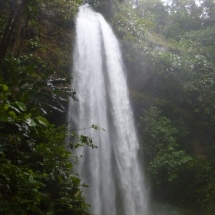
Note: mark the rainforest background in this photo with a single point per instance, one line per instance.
(169, 55)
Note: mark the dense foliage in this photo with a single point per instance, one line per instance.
(169, 55)
(36, 172)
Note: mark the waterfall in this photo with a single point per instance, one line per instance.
(113, 172)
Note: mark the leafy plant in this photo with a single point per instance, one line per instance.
(36, 175)
(160, 140)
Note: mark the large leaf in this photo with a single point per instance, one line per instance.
(5, 87)
(21, 106)
(12, 114)
(30, 122)
(6, 107)
(42, 120)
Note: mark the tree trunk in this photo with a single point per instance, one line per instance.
(11, 24)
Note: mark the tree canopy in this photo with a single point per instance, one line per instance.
(168, 48)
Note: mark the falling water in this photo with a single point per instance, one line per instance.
(113, 170)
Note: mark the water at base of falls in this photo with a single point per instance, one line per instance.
(113, 172)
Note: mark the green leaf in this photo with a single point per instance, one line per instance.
(42, 120)
(6, 107)
(5, 87)
(21, 106)
(31, 179)
(30, 122)
(76, 180)
(12, 114)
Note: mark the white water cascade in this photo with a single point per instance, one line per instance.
(113, 172)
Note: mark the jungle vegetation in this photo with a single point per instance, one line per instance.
(37, 176)
(169, 54)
